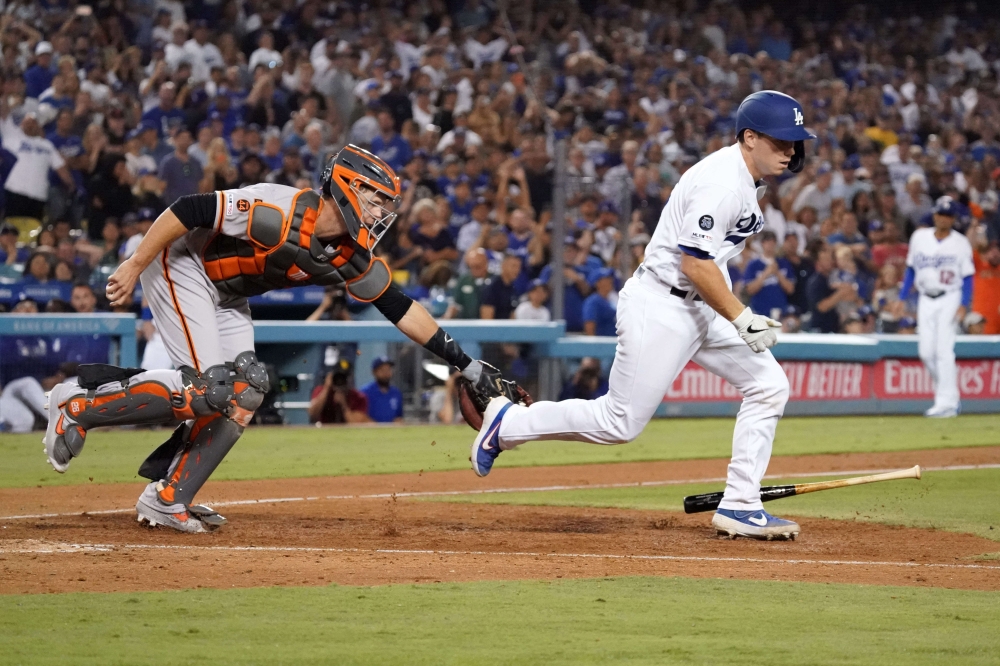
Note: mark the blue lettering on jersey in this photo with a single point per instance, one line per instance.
(922, 260)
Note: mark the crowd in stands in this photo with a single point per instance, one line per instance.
(111, 110)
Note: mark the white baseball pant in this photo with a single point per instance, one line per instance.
(657, 335)
(936, 332)
(20, 401)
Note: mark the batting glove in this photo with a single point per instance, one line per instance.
(757, 330)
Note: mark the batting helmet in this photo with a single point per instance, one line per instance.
(365, 189)
(779, 116)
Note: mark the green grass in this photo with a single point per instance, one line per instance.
(114, 456)
(959, 501)
(624, 620)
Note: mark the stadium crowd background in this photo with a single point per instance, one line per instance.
(111, 111)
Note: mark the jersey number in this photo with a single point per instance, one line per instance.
(946, 277)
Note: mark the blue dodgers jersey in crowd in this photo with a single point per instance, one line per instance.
(383, 407)
(597, 309)
(771, 296)
(396, 152)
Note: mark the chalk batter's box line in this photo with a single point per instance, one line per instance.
(490, 491)
(44, 548)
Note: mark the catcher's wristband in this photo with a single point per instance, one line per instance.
(443, 345)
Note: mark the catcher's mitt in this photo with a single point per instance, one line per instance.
(473, 398)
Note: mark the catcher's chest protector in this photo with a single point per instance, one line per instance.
(282, 252)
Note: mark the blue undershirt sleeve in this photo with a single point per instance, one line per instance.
(904, 293)
(967, 291)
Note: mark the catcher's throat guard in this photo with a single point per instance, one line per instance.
(366, 191)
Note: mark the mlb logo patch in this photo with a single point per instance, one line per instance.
(229, 204)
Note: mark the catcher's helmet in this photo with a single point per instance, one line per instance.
(776, 115)
(365, 189)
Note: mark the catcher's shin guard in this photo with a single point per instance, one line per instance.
(75, 409)
(209, 440)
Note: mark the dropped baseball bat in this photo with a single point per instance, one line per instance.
(710, 501)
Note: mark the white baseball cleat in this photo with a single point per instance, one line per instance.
(757, 524)
(941, 413)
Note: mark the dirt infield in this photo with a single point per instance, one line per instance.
(369, 530)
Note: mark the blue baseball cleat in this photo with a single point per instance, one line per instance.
(486, 447)
(757, 524)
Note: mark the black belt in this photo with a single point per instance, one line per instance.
(680, 293)
(937, 295)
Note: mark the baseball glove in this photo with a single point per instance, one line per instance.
(473, 398)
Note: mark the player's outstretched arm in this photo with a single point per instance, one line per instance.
(417, 324)
(165, 230)
(756, 330)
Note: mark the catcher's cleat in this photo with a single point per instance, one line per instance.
(486, 446)
(64, 437)
(154, 511)
(754, 524)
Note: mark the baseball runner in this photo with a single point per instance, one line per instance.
(679, 306)
(939, 264)
(200, 261)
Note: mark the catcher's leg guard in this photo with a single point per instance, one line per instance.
(234, 391)
(74, 409)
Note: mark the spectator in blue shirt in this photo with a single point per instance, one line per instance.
(385, 401)
(576, 288)
(389, 145)
(769, 279)
(10, 253)
(599, 315)
(38, 77)
(161, 114)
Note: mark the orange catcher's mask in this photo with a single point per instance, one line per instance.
(366, 190)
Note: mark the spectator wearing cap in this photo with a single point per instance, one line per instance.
(532, 306)
(466, 295)
(453, 167)
(519, 235)
(252, 170)
(914, 202)
(606, 233)
(291, 170)
(385, 401)
(470, 233)
(396, 100)
(974, 324)
(501, 297)
(818, 194)
(461, 203)
(769, 279)
(70, 146)
(137, 161)
(159, 116)
(135, 226)
(599, 315)
(26, 191)
(38, 77)
(459, 137)
(180, 172)
(366, 128)
(577, 267)
(389, 145)
(846, 184)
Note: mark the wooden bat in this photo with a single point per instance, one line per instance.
(710, 501)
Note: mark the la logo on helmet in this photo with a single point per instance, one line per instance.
(798, 116)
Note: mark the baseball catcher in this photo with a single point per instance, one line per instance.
(198, 264)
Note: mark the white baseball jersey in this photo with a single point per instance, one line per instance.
(939, 266)
(712, 211)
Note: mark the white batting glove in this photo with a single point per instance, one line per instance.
(757, 330)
